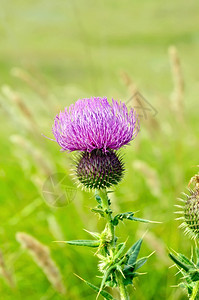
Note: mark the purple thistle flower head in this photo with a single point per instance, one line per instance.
(94, 123)
(97, 129)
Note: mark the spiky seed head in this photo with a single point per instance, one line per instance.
(98, 169)
(191, 215)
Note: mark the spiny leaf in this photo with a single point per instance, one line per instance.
(137, 244)
(94, 234)
(128, 216)
(141, 220)
(133, 252)
(140, 262)
(194, 275)
(179, 262)
(105, 294)
(120, 248)
(98, 211)
(106, 274)
(120, 217)
(185, 260)
(132, 255)
(86, 243)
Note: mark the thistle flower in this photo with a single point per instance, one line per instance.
(98, 129)
(93, 123)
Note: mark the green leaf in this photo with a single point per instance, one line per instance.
(86, 243)
(194, 275)
(96, 235)
(140, 220)
(120, 248)
(140, 262)
(121, 216)
(179, 262)
(98, 211)
(106, 275)
(134, 250)
(189, 289)
(105, 294)
(132, 254)
(185, 260)
(128, 216)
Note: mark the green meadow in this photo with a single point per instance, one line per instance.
(53, 53)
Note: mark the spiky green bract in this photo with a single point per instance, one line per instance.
(117, 265)
(189, 268)
(95, 288)
(98, 169)
(85, 243)
(126, 264)
(191, 215)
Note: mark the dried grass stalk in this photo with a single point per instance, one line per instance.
(131, 85)
(36, 154)
(134, 96)
(178, 81)
(41, 255)
(5, 273)
(138, 103)
(30, 81)
(16, 98)
(155, 243)
(150, 176)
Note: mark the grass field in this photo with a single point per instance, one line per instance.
(55, 52)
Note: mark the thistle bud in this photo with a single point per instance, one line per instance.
(98, 169)
(191, 215)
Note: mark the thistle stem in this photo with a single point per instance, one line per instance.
(108, 216)
(105, 202)
(195, 291)
(122, 288)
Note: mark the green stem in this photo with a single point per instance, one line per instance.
(195, 291)
(122, 288)
(105, 202)
(108, 216)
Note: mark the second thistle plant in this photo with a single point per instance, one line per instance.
(189, 268)
(97, 129)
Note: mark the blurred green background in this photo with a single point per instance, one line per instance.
(55, 52)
